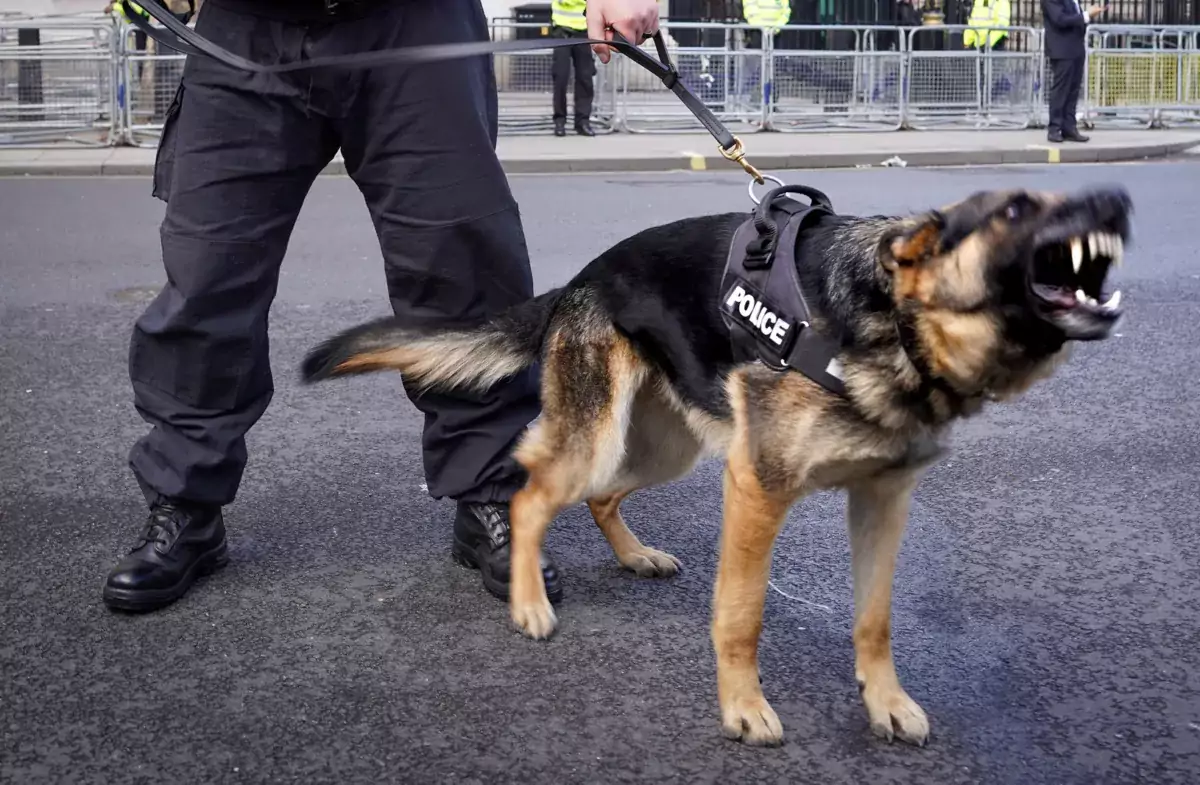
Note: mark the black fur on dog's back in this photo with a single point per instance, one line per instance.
(659, 288)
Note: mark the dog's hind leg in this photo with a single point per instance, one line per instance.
(877, 512)
(659, 447)
(574, 451)
(642, 560)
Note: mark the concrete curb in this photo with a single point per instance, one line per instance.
(1048, 154)
(51, 165)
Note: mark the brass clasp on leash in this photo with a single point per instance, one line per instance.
(737, 154)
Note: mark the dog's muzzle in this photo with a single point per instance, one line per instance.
(1082, 241)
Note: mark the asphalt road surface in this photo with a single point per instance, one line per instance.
(1047, 604)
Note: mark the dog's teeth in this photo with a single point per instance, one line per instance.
(1080, 296)
(1093, 245)
(1113, 301)
(1076, 253)
(1118, 250)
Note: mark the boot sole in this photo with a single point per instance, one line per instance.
(152, 599)
(466, 556)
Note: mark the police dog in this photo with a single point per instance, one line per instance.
(938, 313)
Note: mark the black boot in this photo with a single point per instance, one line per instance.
(560, 127)
(179, 544)
(584, 128)
(481, 542)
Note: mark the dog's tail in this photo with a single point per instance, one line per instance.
(471, 357)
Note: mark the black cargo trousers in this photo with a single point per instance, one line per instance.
(238, 154)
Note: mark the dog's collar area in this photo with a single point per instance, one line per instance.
(762, 300)
(929, 381)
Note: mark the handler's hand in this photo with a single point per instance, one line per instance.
(634, 19)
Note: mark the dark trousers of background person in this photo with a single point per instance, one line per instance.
(1066, 80)
(585, 72)
(238, 155)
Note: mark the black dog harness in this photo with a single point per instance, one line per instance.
(762, 300)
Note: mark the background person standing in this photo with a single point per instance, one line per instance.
(569, 20)
(1065, 23)
(986, 16)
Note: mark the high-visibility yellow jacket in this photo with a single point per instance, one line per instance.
(119, 8)
(987, 13)
(769, 14)
(569, 14)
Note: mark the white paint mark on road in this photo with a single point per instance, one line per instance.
(782, 593)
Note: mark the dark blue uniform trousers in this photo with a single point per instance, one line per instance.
(237, 157)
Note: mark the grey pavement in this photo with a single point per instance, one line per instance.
(657, 152)
(1047, 604)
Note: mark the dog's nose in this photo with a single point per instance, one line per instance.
(1109, 202)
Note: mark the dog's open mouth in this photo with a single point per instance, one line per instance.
(1071, 273)
(1071, 264)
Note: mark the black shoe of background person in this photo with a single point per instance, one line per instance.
(584, 128)
(560, 127)
(1074, 136)
(481, 542)
(1054, 136)
(179, 544)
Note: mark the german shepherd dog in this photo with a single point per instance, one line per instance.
(938, 311)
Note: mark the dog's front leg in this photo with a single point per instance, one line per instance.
(752, 519)
(877, 512)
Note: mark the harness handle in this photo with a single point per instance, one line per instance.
(761, 249)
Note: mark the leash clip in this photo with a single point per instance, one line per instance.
(737, 154)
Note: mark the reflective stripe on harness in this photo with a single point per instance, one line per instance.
(762, 301)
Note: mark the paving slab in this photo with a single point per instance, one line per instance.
(651, 152)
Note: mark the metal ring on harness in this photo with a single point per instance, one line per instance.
(753, 183)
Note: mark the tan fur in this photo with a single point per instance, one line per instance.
(442, 361)
(919, 246)
(876, 513)
(752, 519)
(958, 345)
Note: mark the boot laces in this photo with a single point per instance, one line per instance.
(162, 526)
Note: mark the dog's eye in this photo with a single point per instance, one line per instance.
(1018, 209)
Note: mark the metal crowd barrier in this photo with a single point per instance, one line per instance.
(57, 81)
(88, 79)
(857, 88)
(149, 81)
(1141, 76)
(721, 64)
(949, 84)
(525, 85)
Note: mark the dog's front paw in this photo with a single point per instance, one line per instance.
(650, 563)
(534, 619)
(894, 714)
(752, 721)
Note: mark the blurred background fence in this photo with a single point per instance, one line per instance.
(860, 65)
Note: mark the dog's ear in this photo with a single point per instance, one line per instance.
(910, 245)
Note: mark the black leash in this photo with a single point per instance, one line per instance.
(184, 39)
